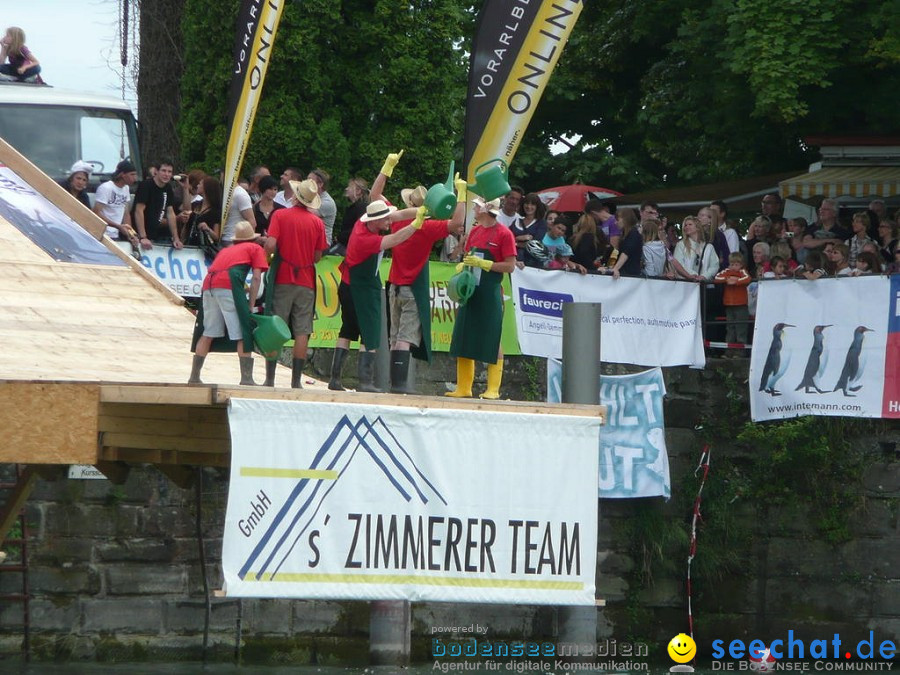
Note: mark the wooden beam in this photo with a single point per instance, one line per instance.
(157, 394)
(150, 441)
(116, 472)
(9, 511)
(182, 476)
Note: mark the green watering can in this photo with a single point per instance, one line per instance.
(440, 200)
(461, 286)
(491, 183)
(270, 334)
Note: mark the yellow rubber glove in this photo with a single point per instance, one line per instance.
(388, 168)
(461, 188)
(459, 267)
(475, 261)
(420, 217)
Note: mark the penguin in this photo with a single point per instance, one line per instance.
(815, 366)
(852, 371)
(774, 369)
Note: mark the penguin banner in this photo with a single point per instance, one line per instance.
(634, 461)
(826, 347)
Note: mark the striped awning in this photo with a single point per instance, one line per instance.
(839, 181)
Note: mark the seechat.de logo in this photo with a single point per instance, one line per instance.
(541, 302)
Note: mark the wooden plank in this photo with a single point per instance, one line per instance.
(224, 394)
(157, 394)
(180, 428)
(49, 423)
(176, 413)
(152, 441)
(116, 472)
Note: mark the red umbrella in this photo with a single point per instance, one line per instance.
(573, 197)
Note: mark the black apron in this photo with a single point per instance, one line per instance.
(237, 275)
(269, 293)
(421, 289)
(367, 292)
(479, 323)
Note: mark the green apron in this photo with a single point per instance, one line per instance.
(237, 275)
(479, 323)
(269, 292)
(367, 292)
(421, 289)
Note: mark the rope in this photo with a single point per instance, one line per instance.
(704, 466)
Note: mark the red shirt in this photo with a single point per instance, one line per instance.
(362, 246)
(499, 240)
(412, 255)
(242, 253)
(300, 235)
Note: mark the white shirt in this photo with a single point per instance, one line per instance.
(114, 200)
(731, 236)
(327, 212)
(509, 221)
(240, 201)
(707, 268)
(281, 199)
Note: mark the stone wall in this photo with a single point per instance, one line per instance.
(115, 573)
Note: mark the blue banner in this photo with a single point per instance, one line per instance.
(633, 457)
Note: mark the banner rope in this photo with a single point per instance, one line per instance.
(703, 466)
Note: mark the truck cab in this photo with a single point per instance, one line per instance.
(54, 128)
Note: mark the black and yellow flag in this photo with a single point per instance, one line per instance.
(256, 27)
(516, 47)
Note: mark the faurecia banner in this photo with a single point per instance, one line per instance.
(516, 47)
(368, 502)
(827, 347)
(647, 322)
(634, 461)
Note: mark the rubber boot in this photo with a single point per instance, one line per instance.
(195, 370)
(297, 373)
(270, 373)
(494, 375)
(366, 370)
(337, 365)
(247, 371)
(465, 375)
(399, 371)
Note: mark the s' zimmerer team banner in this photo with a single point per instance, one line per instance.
(366, 502)
(516, 47)
(257, 25)
(827, 347)
(634, 461)
(646, 322)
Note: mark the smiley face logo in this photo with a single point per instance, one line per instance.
(682, 648)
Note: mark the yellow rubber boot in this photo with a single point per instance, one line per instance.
(465, 375)
(494, 375)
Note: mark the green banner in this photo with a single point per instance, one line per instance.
(327, 322)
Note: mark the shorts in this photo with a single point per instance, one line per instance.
(218, 312)
(349, 322)
(296, 305)
(405, 324)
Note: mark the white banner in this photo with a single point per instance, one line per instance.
(826, 347)
(182, 270)
(634, 461)
(647, 322)
(368, 502)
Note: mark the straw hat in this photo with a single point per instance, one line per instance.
(377, 210)
(243, 231)
(413, 197)
(492, 207)
(307, 193)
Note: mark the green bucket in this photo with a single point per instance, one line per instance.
(461, 286)
(270, 334)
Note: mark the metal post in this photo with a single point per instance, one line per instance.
(390, 624)
(580, 384)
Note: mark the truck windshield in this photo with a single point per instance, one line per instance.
(54, 136)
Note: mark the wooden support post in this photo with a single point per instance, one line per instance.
(182, 476)
(116, 472)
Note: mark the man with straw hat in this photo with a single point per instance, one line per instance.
(297, 238)
(490, 247)
(361, 292)
(225, 305)
(409, 295)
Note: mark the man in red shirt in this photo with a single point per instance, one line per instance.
(410, 300)
(361, 291)
(297, 238)
(225, 305)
